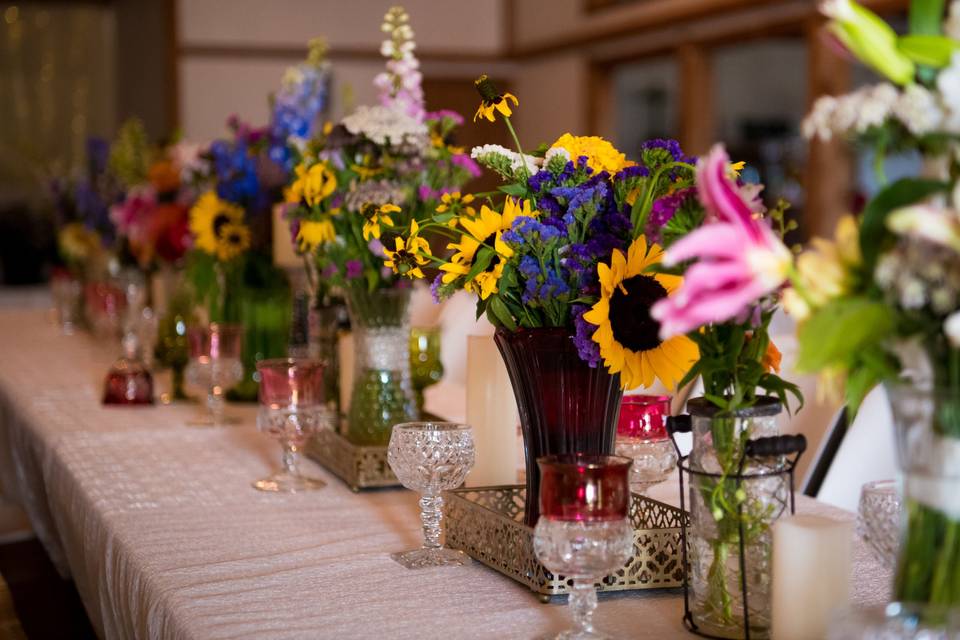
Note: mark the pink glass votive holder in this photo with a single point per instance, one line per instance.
(128, 383)
(644, 417)
(585, 488)
(215, 341)
(291, 382)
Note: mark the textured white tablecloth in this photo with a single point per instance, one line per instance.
(159, 527)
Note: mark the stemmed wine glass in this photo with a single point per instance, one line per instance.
(431, 457)
(215, 365)
(292, 411)
(642, 436)
(583, 532)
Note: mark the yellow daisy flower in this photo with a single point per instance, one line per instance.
(408, 254)
(628, 337)
(233, 240)
(313, 233)
(209, 218)
(312, 185)
(600, 154)
(485, 229)
(375, 217)
(491, 101)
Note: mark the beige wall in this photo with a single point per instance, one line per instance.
(233, 54)
(553, 98)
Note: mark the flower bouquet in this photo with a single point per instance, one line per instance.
(881, 302)
(382, 167)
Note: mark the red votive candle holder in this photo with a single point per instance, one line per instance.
(644, 417)
(586, 488)
(214, 341)
(291, 382)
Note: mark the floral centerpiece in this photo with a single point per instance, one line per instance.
(381, 167)
(881, 302)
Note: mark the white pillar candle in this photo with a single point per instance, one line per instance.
(492, 412)
(811, 574)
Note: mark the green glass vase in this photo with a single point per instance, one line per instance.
(382, 393)
(265, 316)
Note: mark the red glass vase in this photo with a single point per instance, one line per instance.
(565, 405)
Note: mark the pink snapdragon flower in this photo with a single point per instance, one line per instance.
(739, 259)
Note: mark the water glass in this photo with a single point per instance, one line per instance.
(291, 410)
(431, 457)
(642, 436)
(214, 365)
(878, 520)
(66, 299)
(583, 532)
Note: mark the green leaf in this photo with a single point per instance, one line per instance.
(443, 218)
(926, 16)
(501, 313)
(873, 226)
(930, 50)
(835, 334)
(484, 258)
(516, 190)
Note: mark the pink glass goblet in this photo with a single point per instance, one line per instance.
(642, 437)
(583, 532)
(292, 410)
(214, 365)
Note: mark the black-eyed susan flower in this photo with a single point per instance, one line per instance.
(212, 220)
(456, 206)
(492, 101)
(485, 230)
(409, 254)
(376, 216)
(312, 185)
(314, 233)
(626, 333)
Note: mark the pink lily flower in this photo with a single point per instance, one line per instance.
(739, 259)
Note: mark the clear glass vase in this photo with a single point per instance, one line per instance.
(382, 393)
(720, 507)
(927, 425)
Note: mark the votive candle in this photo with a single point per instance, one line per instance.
(811, 574)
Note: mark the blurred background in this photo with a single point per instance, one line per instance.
(740, 71)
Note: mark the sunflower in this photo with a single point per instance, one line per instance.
(376, 216)
(491, 101)
(408, 254)
(312, 185)
(233, 240)
(313, 233)
(210, 219)
(485, 229)
(628, 337)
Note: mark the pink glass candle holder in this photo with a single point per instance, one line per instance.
(214, 365)
(644, 417)
(292, 410)
(583, 532)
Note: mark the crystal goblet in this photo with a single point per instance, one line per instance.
(292, 411)
(583, 532)
(878, 520)
(431, 457)
(214, 365)
(642, 436)
(425, 366)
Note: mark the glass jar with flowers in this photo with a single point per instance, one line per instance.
(560, 262)
(380, 168)
(881, 302)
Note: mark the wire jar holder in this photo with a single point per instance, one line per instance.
(788, 448)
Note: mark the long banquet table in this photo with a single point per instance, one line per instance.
(158, 525)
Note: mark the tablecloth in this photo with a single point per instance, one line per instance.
(158, 525)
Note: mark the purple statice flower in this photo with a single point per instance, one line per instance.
(670, 146)
(354, 269)
(588, 350)
(529, 267)
(635, 171)
(435, 288)
(98, 154)
(662, 212)
(426, 193)
(537, 180)
(524, 230)
(466, 163)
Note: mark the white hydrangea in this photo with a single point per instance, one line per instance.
(855, 112)
(496, 156)
(919, 110)
(385, 125)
